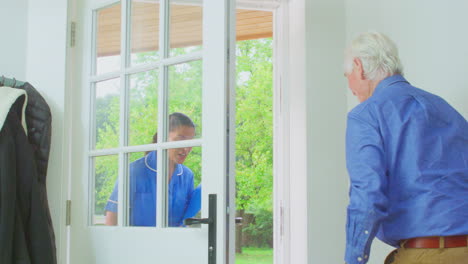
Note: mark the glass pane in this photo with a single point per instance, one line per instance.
(185, 33)
(185, 98)
(108, 39)
(144, 44)
(105, 195)
(142, 188)
(184, 185)
(143, 107)
(107, 111)
(254, 151)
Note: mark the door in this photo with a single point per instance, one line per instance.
(151, 146)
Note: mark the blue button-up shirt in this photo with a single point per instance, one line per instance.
(407, 158)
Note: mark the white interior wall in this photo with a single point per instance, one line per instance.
(13, 32)
(433, 45)
(432, 41)
(45, 69)
(32, 49)
(326, 108)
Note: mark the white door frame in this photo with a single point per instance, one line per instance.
(290, 232)
(289, 136)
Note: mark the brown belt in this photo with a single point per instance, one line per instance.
(436, 242)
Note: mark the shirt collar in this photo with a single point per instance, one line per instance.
(388, 82)
(150, 162)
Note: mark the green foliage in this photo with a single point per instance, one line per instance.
(259, 233)
(107, 123)
(106, 175)
(254, 125)
(143, 107)
(254, 140)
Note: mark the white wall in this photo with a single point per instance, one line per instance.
(45, 69)
(13, 35)
(432, 37)
(326, 108)
(32, 49)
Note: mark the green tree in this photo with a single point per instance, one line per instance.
(254, 137)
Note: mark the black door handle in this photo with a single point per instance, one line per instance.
(197, 221)
(211, 222)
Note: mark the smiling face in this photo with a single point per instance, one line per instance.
(178, 156)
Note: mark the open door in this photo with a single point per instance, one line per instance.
(152, 178)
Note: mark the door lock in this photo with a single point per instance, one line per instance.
(211, 222)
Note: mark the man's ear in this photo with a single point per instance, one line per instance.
(358, 65)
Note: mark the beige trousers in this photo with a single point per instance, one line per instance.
(428, 256)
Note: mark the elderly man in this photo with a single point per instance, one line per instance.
(407, 158)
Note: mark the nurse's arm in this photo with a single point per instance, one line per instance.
(111, 218)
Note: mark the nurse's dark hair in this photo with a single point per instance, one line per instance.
(176, 120)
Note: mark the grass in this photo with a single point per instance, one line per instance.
(255, 256)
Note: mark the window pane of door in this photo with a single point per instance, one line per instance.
(185, 95)
(141, 175)
(143, 108)
(183, 184)
(144, 44)
(186, 21)
(108, 29)
(107, 114)
(105, 197)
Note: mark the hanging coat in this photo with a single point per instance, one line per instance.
(26, 235)
(38, 120)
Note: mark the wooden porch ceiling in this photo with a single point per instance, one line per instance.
(185, 27)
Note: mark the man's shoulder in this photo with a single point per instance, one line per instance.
(392, 94)
(363, 111)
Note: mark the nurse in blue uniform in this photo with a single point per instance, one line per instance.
(184, 199)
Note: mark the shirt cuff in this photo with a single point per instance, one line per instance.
(111, 206)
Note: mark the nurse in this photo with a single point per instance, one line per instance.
(183, 200)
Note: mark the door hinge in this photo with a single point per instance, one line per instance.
(72, 34)
(68, 213)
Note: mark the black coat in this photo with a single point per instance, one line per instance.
(26, 234)
(38, 120)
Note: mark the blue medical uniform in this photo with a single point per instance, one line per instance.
(184, 200)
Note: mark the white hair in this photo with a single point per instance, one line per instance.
(378, 55)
